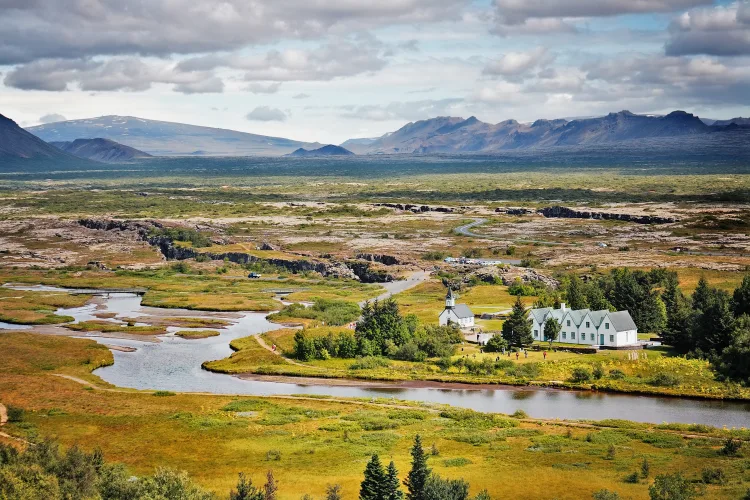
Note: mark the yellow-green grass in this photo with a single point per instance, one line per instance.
(694, 377)
(197, 334)
(322, 441)
(109, 327)
(36, 308)
(196, 322)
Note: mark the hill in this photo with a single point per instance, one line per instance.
(16, 144)
(329, 150)
(458, 135)
(167, 138)
(99, 149)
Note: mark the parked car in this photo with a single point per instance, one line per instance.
(254, 275)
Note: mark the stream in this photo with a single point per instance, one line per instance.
(174, 364)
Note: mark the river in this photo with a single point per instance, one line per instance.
(174, 364)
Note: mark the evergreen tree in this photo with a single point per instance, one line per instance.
(714, 323)
(596, 299)
(438, 488)
(635, 292)
(574, 293)
(701, 295)
(270, 488)
(734, 361)
(392, 484)
(373, 484)
(381, 322)
(419, 473)
(245, 490)
(551, 330)
(517, 328)
(741, 298)
(679, 314)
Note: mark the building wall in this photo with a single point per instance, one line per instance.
(583, 334)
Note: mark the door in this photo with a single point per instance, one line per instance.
(601, 339)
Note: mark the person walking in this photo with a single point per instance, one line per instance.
(516, 355)
(544, 354)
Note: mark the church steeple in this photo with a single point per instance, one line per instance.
(450, 299)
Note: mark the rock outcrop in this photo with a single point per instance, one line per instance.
(508, 274)
(388, 260)
(569, 213)
(415, 208)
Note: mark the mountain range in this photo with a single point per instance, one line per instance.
(16, 144)
(103, 150)
(161, 138)
(329, 150)
(458, 135)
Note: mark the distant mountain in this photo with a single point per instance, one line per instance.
(456, 135)
(167, 138)
(742, 122)
(329, 150)
(16, 145)
(357, 145)
(99, 149)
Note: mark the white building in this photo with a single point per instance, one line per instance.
(586, 327)
(457, 314)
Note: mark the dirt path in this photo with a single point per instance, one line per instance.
(3, 414)
(277, 352)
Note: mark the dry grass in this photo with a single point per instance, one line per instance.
(197, 334)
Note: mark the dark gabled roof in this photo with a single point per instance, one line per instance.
(622, 321)
(463, 311)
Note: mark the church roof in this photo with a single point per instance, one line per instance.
(450, 295)
(463, 311)
(622, 321)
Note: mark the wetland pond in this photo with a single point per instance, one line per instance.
(174, 364)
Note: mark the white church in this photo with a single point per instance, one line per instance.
(583, 326)
(456, 314)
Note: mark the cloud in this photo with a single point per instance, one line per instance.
(259, 88)
(410, 110)
(534, 17)
(53, 29)
(301, 96)
(337, 58)
(518, 64)
(129, 74)
(266, 114)
(52, 118)
(723, 30)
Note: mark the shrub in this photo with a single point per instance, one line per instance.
(370, 362)
(663, 379)
(457, 462)
(164, 393)
(606, 495)
(731, 447)
(633, 478)
(616, 374)
(713, 476)
(496, 344)
(672, 487)
(273, 455)
(15, 414)
(434, 255)
(580, 374)
(645, 469)
(520, 414)
(598, 372)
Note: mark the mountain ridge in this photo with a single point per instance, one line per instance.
(16, 144)
(327, 150)
(99, 149)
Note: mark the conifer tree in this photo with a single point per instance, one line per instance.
(517, 328)
(333, 492)
(270, 488)
(373, 484)
(741, 298)
(419, 473)
(392, 484)
(575, 294)
(245, 490)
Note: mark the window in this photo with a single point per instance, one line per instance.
(536, 333)
(568, 322)
(606, 326)
(593, 337)
(588, 325)
(564, 335)
(611, 338)
(573, 335)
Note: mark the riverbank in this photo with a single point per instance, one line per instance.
(214, 437)
(642, 372)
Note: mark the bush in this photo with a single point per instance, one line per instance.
(496, 344)
(713, 476)
(580, 374)
(633, 478)
(273, 455)
(616, 374)
(731, 447)
(434, 255)
(663, 379)
(598, 372)
(672, 487)
(164, 393)
(606, 495)
(15, 414)
(520, 414)
(370, 362)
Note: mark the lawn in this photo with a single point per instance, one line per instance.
(312, 442)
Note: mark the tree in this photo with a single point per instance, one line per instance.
(733, 362)
(437, 488)
(635, 292)
(741, 298)
(496, 344)
(417, 478)
(714, 322)
(333, 492)
(679, 315)
(672, 487)
(606, 495)
(551, 330)
(392, 490)
(574, 293)
(381, 322)
(596, 299)
(372, 487)
(517, 328)
(270, 488)
(245, 490)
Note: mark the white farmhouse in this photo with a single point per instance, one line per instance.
(586, 327)
(457, 314)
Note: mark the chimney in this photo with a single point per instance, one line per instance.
(562, 306)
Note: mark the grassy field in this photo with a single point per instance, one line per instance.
(214, 437)
(36, 308)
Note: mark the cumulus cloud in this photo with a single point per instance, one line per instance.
(266, 114)
(517, 64)
(52, 118)
(723, 30)
(130, 74)
(410, 110)
(518, 17)
(51, 29)
(336, 58)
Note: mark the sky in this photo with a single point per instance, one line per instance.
(330, 70)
